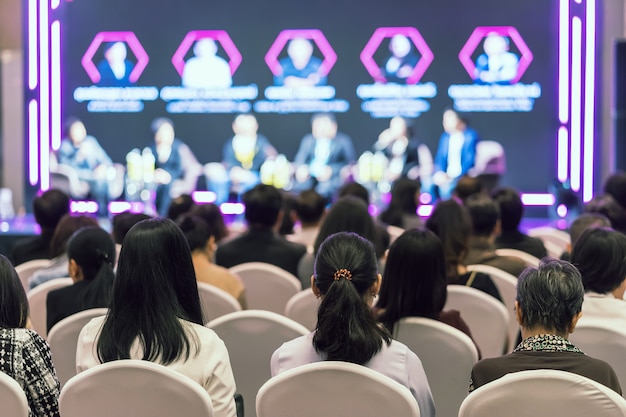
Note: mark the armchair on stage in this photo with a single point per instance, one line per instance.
(490, 163)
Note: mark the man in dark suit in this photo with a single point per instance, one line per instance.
(260, 243)
(322, 155)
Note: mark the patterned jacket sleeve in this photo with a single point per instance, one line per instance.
(42, 386)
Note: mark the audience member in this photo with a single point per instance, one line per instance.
(615, 186)
(402, 209)
(91, 254)
(451, 222)
(511, 213)
(123, 222)
(580, 225)
(155, 315)
(48, 209)
(212, 215)
(548, 306)
(466, 187)
(24, 355)
(347, 280)
(485, 215)
(260, 243)
(288, 221)
(607, 205)
(179, 206)
(310, 208)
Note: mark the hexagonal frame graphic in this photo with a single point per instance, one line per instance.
(316, 35)
(367, 55)
(465, 55)
(130, 38)
(221, 36)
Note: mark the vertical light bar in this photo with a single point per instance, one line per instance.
(575, 146)
(590, 74)
(33, 144)
(55, 3)
(564, 61)
(32, 44)
(563, 152)
(55, 84)
(44, 94)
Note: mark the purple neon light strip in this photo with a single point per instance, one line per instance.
(575, 148)
(44, 95)
(536, 199)
(33, 146)
(32, 44)
(55, 84)
(563, 153)
(564, 61)
(590, 74)
(55, 3)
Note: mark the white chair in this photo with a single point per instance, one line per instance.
(302, 308)
(37, 303)
(448, 356)
(552, 235)
(507, 285)
(251, 337)
(394, 233)
(554, 250)
(27, 269)
(268, 287)
(216, 302)
(334, 389)
(133, 388)
(487, 318)
(528, 259)
(12, 398)
(63, 338)
(543, 393)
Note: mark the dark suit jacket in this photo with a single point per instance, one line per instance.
(468, 151)
(481, 252)
(37, 247)
(107, 77)
(263, 149)
(261, 246)
(64, 302)
(341, 152)
(517, 240)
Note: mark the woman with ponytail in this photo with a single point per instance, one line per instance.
(91, 254)
(346, 279)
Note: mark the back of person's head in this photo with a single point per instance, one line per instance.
(468, 186)
(13, 301)
(65, 229)
(196, 231)
(356, 190)
(180, 205)
(600, 256)
(586, 221)
(212, 215)
(346, 277)
(451, 222)
(550, 297)
(123, 222)
(404, 200)
(263, 204)
(607, 205)
(310, 207)
(50, 207)
(288, 220)
(485, 214)
(92, 249)
(155, 287)
(511, 207)
(414, 283)
(615, 185)
(349, 214)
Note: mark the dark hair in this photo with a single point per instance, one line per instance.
(93, 249)
(180, 205)
(550, 296)
(345, 269)
(414, 282)
(159, 122)
(451, 222)
(485, 214)
(607, 205)
(155, 287)
(403, 201)
(288, 221)
(329, 116)
(349, 214)
(195, 229)
(615, 185)
(310, 206)
(50, 207)
(123, 222)
(600, 256)
(586, 221)
(356, 190)
(65, 229)
(212, 215)
(263, 204)
(13, 301)
(511, 207)
(467, 186)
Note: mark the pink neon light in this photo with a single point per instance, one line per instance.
(561, 210)
(425, 210)
(33, 148)
(564, 61)
(55, 91)
(133, 43)
(575, 150)
(232, 208)
(316, 35)
(44, 96)
(203, 197)
(32, 44)
(590, 74)
(563, 153)
(535, 199)
(83, 207)
(221, 36)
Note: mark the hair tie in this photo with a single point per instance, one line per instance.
(104, 256)
(342, 273)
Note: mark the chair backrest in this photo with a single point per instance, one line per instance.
(507, 285)
(487, 318)
(602, 340)
(543, 393)
(63, 338)
(12, 398)
(528, 259)
(133, 388)
(27, 269)
(554, 250)
(302, 308)
(394, 233)
(447, 355)
(334, 389)
(37, 303)
(251, 337)
(490, 158)
(216, 302)
(268, 287)
(552, 235)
